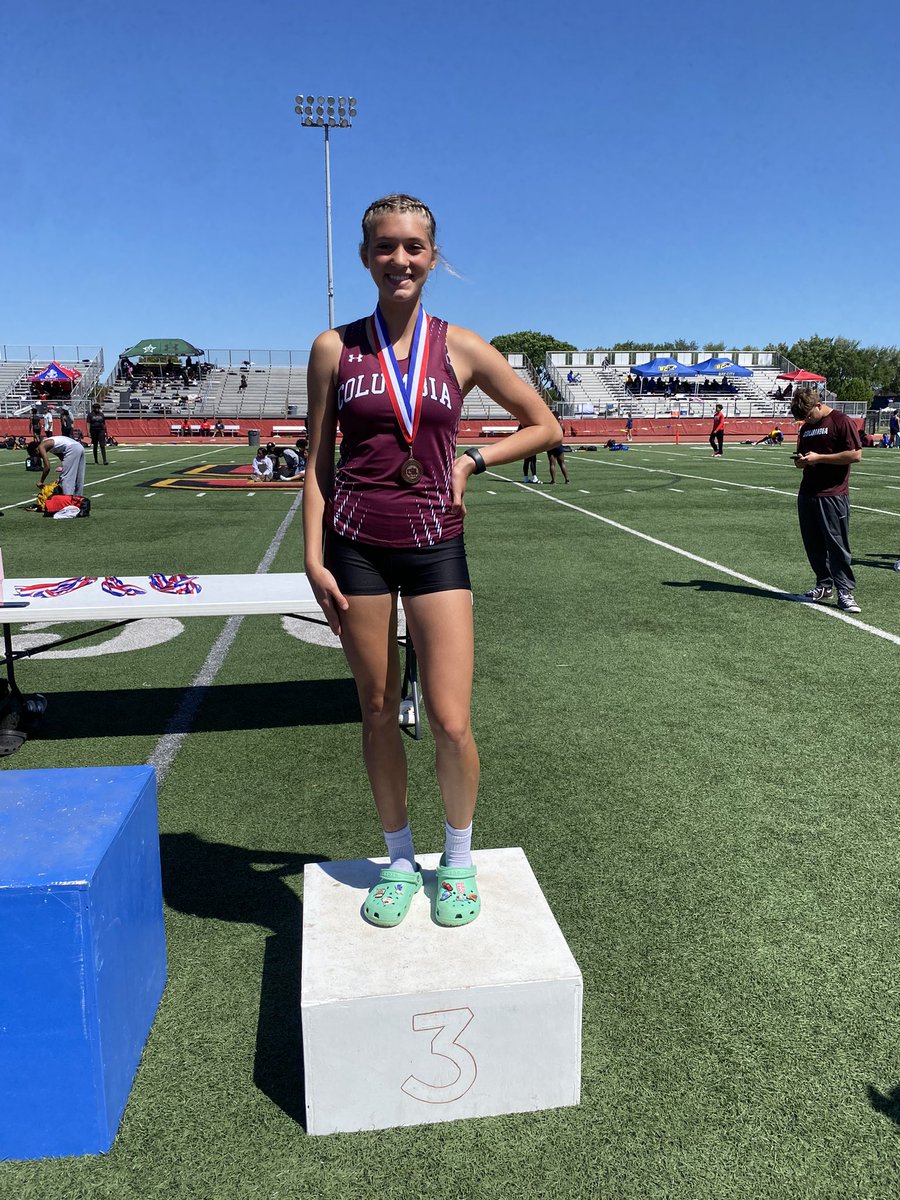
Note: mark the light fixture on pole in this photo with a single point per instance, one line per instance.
(325, 113)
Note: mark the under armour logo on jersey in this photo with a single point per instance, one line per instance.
(354, 358)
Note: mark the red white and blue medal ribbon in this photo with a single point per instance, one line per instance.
(113, 586)
(405, 393)
(175, 585)
(48, 591)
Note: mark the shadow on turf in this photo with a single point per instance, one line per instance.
(874, 560)
(133, 711)
(231, 883)
(888, 1104)
(714, 585)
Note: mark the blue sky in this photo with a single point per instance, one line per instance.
(598, 172)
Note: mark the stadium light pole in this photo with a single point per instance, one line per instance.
(321, 112)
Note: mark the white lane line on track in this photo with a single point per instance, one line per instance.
(750, 487)
(718, 489)
(585, 491)
(680, 490)
(834, 613)
(182, 722)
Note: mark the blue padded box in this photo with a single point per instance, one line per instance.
(82, 953)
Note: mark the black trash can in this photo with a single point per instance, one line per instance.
(252, 437)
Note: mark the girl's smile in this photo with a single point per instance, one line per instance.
(399, 255)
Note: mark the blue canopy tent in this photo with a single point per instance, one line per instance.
(720, 366)
(662, 367)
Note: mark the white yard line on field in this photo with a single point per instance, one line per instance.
(121, 475)
(833, 613)
(181, 724)
(740, 457)
(750, 487)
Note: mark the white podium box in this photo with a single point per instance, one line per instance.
(418, 1024)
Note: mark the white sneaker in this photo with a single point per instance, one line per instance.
(897, 565)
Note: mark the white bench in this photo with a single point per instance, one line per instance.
(219, 596)
(497, 430)
(284, 430)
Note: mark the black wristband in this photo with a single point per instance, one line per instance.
(475, 455)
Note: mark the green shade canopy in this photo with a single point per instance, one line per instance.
(162, 348)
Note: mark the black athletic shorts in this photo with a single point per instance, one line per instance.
(362, 570)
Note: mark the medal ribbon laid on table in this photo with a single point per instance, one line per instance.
(175, 585)
(113, 586)
(47, 591)
(406, 397)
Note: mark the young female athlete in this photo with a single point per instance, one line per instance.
(389, 518)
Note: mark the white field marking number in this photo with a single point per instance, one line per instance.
(140, 635)
(317, 633)
(450, 1024)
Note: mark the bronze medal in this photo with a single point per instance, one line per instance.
(411, 471)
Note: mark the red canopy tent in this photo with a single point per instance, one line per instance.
(802, 377)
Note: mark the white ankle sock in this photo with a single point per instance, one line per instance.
(400, 849)
(458, 846)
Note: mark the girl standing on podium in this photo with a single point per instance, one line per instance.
(388, 520)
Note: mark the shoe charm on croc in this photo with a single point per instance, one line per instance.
(458, 901)
(388, 901)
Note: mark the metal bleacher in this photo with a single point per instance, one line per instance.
(16, 374)
(600, 389)
(270, 392)
(12, 376)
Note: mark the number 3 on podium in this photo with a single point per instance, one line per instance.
(450, 1024)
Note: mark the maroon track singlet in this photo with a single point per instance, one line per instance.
(369, 502)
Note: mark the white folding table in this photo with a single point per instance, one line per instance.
(285, 594)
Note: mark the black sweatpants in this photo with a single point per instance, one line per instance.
(825, 529)
(717, 441)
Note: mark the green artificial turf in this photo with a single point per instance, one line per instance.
(699, 770)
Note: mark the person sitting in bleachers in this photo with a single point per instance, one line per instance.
(185, 428)
(205, 427)
(573, 378)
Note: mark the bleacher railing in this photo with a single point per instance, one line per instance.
(49, 353)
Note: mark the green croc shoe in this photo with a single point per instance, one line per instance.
(388, 901)
(457, 901)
